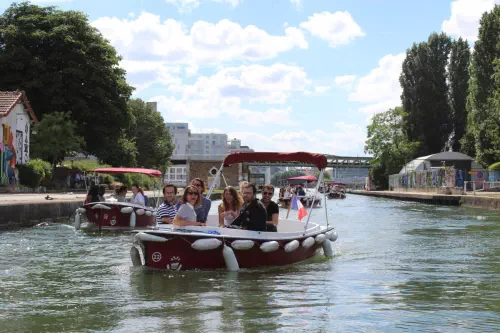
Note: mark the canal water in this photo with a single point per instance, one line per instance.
(398, 266)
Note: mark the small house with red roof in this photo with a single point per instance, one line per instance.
(16, 117)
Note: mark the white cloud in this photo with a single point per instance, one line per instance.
(147, 38)
(131, 14)
(322, 89)
(380, 89)
(465, 16)
(345, 81)
(343, 139)
(142, 74)
(297, 3)
(45, 1)
(184, 6)
(337, 28)
(225, 91)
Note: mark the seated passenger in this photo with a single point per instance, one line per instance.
(186, 214)
(205, 203)
(138, 196)
(102, 191)
(92, 195)
(273, 211)
(168, 209)
(253, 214)
(229, 208)
(121, 194)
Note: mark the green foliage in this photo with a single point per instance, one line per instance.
(65, 65)
(85, 165)
(484, 88)
(494, 167)
(121, 152)
(54, 138)
(145, 182)
(151, 136)
(389, 145)
(326, 175)
(284, 175)
(35, 172)
(458, 74)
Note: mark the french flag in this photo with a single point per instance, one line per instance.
(296, 204)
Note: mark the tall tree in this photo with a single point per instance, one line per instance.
(482, 110)
(458, 74)
(389, 145)
(152, 138)
(425, 94)
(65, 65)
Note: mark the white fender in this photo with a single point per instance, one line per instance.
(135, 256)
(206, 244)
(332, 235)
(144, 237)
(82, 210)
(132, 220)
(101, 206)
(242, 244)
(154, 213)
(149, 213)
(77, 220)
(308, 242)
(230, 259)
(140, 211)
(292, 246)
(127, 210)
(269, 246)
(320, 238)
(327, 248)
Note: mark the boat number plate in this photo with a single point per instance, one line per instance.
(156, 256)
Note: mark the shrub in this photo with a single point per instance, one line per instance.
(494, 167)
(35, 172)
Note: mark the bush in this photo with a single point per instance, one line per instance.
(146, 182)
(35, 172)
(494, 167)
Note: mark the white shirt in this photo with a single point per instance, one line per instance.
(138, 199)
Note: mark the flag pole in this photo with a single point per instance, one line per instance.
(289, 206)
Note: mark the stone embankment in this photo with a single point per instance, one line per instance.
(27, 210)
(480, 201)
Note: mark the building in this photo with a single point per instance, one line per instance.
(234, 146)
(16, 116)
(180, 139)
(207, 146)
(153, 106)
(449, 158)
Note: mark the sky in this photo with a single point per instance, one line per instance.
(281, 75)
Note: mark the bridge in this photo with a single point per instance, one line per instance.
(334, 161)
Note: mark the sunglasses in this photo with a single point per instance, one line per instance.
(193, 193)
(197, 185)
(267, 193)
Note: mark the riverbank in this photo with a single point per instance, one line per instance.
(484, 200)
(27, 210)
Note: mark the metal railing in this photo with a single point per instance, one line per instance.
(481, 186)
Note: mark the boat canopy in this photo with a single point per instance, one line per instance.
(149, 172)
(308, 179)
(319, 160)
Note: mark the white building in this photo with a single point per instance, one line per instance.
(234, 146)
(207, 146)
(16, 117)
(180, 140)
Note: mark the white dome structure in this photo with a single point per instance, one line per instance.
(435, 160)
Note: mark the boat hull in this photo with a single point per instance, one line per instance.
(114, 218)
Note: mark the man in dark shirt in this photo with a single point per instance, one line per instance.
(253, 214)
(273, 211)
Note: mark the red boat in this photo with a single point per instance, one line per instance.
(118, 216)
(211, 247)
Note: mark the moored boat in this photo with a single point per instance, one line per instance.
(212, 247)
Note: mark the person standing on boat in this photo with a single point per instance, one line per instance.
(168, 209)
(204, 208)
(272, 209)
(229, 208)
(138, 196)
(253, 214)
(186, 215)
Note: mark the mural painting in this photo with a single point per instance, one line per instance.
(7, 156)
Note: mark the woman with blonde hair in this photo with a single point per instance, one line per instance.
(229, 208)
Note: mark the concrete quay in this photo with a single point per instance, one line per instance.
(484, 200)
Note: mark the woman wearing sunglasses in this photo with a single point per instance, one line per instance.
(186, 214)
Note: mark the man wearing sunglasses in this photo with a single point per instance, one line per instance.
(273, 211)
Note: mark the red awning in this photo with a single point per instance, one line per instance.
(149, 172)
(319, 160)
(305, 178)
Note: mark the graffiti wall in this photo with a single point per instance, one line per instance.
(438, 177)
(14, 144)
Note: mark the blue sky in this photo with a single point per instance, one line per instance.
(281, 75)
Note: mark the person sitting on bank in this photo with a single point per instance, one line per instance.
(186, 214)
(168, 209)
(253, 214)
(205, 204)
(273, 211)
(229, 208)
(138, 196)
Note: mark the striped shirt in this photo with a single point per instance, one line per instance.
(166, 210)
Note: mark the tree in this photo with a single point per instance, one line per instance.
(458, 74)
(389, 145)
(152, 138)
(425, 94)
(484, 85)
(64, 64)
(54, 138)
